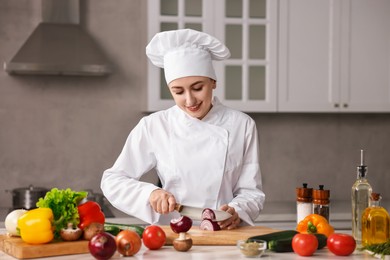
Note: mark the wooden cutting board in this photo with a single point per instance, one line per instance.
(221, 237)
(15, 247)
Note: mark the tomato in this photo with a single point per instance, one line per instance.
(341, 244)
(304, 244)
(154, 237)
(128, 242)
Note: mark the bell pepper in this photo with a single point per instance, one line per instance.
(90, 212)
(36, 226)
(315, 223)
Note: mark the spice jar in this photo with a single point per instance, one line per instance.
(321, 202)
(304, 202)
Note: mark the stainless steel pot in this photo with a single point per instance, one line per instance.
(26, 198)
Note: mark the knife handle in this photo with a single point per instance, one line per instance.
(178, 207)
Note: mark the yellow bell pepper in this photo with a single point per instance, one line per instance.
(315, 223)
(36, 226)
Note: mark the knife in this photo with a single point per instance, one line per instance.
(196, 213)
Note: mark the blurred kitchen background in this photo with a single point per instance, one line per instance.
(64, 131)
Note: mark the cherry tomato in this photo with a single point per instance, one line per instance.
(154, 237)
(128, 242)
(341, 244)
(304, 244)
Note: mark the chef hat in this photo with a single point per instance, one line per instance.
(186, 52)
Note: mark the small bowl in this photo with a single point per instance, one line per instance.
(252, 249)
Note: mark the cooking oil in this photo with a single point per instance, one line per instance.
(375, 222)
(360, 196)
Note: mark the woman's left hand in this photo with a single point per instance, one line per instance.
(231, 222)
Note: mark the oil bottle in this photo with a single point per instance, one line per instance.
(375, 222)
(360, 196)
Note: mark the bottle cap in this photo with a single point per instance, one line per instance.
(321, 196)
(375, 196)
(304, 194)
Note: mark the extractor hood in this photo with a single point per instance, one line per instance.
(59, 46)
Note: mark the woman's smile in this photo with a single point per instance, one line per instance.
(194, 108)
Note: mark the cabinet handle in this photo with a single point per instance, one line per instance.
(336, 105)
(345, 105)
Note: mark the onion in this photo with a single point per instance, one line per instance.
(182, 224)
(102, 246)
(208, 214)
(11, 221)
(208, 224)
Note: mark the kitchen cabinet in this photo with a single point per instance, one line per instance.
(334, 56)
(287, 56)
(247, 80)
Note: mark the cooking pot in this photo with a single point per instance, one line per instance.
(26, 198)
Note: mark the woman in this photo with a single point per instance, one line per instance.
(205, 154)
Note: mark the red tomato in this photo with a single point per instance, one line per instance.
(304, 244)
(341, 244)
(154, 237)
(128, 242)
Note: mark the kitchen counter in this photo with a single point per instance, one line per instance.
(278, 215)
(203, 253)
(199, 252)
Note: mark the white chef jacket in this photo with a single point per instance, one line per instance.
(203, 163)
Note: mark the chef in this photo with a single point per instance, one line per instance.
(205, 154)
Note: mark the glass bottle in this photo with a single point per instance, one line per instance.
(360, 196)
(321, 202)
(375, 222)
(304, 202)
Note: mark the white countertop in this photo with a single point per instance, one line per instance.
(278, 215)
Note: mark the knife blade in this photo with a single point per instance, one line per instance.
(196, 213)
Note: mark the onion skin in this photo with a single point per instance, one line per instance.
(209, 224)
(181, 225)
(102, 246)
(11, 221)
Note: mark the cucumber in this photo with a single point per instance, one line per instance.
(281, 245)
(285, 245)
(322, 239)
(275, 236)
(113, 230)
(112, 226)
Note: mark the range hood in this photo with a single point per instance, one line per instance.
(59, 46)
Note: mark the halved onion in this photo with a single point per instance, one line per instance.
(208, 213)
(209, 224)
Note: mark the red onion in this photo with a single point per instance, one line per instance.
(208, 214)
(208, 224)
(102, 246)
(182, 224)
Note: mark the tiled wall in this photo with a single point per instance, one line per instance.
(65, 131)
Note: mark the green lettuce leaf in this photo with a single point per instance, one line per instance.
(64, 204)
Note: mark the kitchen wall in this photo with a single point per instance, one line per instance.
(65, 131)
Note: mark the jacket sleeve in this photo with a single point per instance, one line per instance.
(120, 184)
(248, 195)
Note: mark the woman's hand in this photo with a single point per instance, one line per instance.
(162, 201)
(232, 222)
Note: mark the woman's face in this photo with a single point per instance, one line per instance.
(193, 94)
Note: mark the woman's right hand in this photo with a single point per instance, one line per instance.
(162, 201)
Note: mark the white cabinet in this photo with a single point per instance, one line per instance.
(287, 55)
(247, 80)
(334, 56)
